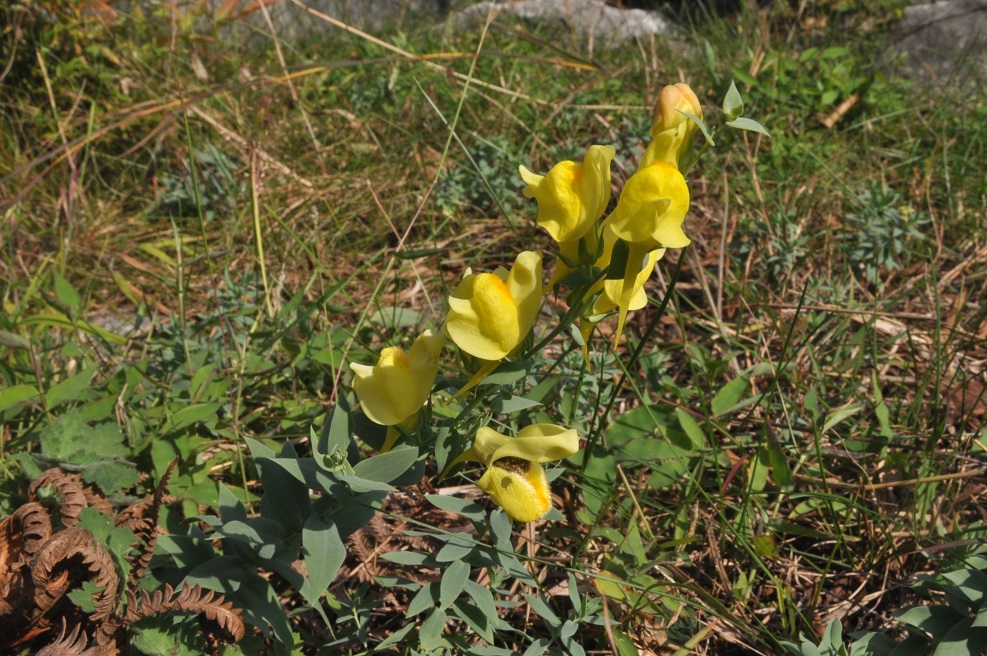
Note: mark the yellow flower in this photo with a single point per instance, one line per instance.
(624, 293)
(514, 476)
(392, 391)
(671, 131)
(652, 207)
(490, 314)
(571, 197)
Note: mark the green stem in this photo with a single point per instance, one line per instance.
(597, 430)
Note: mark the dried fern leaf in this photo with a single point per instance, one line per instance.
(213, 609)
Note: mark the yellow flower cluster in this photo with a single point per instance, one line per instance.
(648, 217)
(491, 314)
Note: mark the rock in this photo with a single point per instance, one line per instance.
(591, 20)
(944, 42)
(293, 21)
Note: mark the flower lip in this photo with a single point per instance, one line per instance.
(571, 196)
(490, 314)
(400, 383)
(652, 208)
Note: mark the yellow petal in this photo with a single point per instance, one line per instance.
(571, 197)
(672, 100)
(537, 443)
(490, 314)
(652, 208)
(672, 131)
(524, 282)
(520, 488)
(400, 383)
(485, 324)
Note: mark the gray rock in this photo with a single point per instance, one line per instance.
(945, 42)
(591, 20)
(292, 21)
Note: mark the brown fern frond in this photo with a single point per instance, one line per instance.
(68, 558)
(212, 608)
(34, 528)
(21, 537)
(76, 643)
(71, 644)
(67, 489)
(133, 515)
(146, 532)
(97, 500)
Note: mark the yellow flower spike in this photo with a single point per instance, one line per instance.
(652, 208)
(571, 197)
(490, 314)
(672, 131)
(625, 293)
(514, 476)
(628, 293)
(393, 390)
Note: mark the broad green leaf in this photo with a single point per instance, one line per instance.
(17, 394)
(385, 467)
(780, 469)
(453, 552)
(190, 415)
(729, 396)
(111, 477)
(264, 535)
(336, 437)
(427, 597)
(963, 639)
(411, 558)
(396, 637)
(513, 404)
(971, 583)
(324, 555)
(202, 377)
(476, 619)
(453, 580)
(71, 439)
(483, 599)
(70, 389)
(749, 125)
(85, 597)
(465, 507)
(840, 414)
(567, 635)
(625, 646)
(67, 294)
(758, 469)
(507, 373)
(11, 340)
(697, 438)
(430, 636)
(936, 620)
(160, 636)
(733, 104)
(543, 610)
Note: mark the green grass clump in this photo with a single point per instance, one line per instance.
(199, 235)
